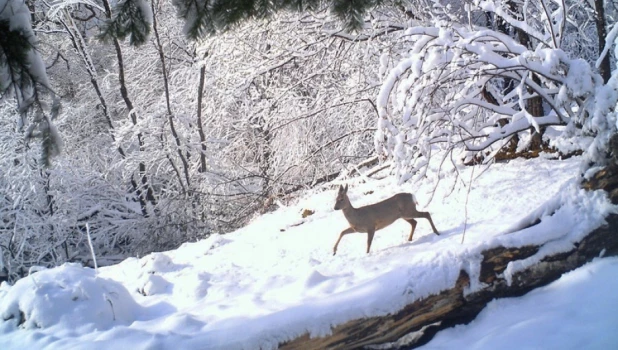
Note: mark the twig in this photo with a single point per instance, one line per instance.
(94, 257)
(466, 206)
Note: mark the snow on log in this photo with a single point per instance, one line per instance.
(419, 321)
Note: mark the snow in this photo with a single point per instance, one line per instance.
(276, 279)
(578, 311)
(68, 297)
(611, 40)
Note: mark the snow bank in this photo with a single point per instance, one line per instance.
(69, 296)
(574, 213)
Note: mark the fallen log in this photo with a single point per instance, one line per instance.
(419, 321)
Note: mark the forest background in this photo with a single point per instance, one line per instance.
(140, 125)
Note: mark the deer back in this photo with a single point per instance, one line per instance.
(379, 215)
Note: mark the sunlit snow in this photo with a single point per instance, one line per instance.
(276, 279)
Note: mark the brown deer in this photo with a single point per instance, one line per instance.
(377, 216)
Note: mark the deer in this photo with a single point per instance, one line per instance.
(374, 217)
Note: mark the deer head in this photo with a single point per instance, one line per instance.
(342, 198)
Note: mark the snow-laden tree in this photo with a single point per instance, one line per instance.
(175, 139)
(218, 128)
(292, 112)
(278, 110)
(465, 88)
(45, 210)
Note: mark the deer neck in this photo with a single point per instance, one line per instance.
(348, 210)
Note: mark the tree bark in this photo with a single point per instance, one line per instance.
(534, 105)
(200, 125)
(599, 18)
(422, 319)
(145, 193)
(170, 115)
(80, 47)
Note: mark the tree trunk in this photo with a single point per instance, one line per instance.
(79, 45)
(422, 319)
(145, 193)
(534, 105)
(605, 67)
(170, 115)
(200, 125)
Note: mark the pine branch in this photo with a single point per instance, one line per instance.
(210, 16)
(133, 19)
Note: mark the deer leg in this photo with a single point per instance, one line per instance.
(413, 223)
(370, 234)
(343, 233)
(424, 214)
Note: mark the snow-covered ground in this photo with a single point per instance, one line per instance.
(578, 311)
(277, 279)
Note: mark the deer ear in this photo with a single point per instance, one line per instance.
(345, 189)
(341, 189)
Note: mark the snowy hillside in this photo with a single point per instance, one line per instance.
(277, 279)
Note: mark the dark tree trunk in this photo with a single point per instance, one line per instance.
(534, 105)
(535, 108)
(170, 115)
(605, 67)
(200, 125)
(78, 44)
(145, 193)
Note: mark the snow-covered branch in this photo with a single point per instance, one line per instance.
(437, 95)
